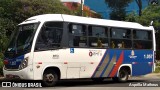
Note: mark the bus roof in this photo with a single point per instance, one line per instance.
(84, 20)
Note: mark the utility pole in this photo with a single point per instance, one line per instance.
(82, 7)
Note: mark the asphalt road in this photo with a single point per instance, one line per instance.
(143, 83)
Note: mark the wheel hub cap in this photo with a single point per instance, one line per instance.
(49, 77)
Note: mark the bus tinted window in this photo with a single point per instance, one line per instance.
(120, 33)
(120, 38)
(50, 36)
(98, 31)
(77, 35)
(142, 35)
(142, 39)
(98, 36)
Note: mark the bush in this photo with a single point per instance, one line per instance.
(157, 70)
(1, 64)
(158, 54)
(157, 67)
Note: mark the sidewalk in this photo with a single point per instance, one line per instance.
(1, 77)
(153, 75)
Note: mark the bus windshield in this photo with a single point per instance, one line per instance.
(21, 41)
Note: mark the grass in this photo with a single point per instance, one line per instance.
(157, 67)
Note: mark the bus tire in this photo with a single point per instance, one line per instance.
(122, 76)
(50, 78)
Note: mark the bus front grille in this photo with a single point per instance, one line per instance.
(11, 67)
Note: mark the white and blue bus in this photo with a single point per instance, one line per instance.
(52, 47)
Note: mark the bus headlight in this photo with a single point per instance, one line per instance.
(24, 64)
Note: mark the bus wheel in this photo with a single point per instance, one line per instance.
(122, 77)
(98, 79)
(50, 78)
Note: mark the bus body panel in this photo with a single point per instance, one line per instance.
(143, 63)
(87, 63)
(93, 63)
(72, 62)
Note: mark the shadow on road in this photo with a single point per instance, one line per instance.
(81, 83)
(88, 83)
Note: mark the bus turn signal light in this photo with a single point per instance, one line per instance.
(39, 62)
(5, 62)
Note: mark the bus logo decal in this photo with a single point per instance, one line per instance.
(71, 50)
(55, 56)
(90, 53)
(132, 55)
(95, 53)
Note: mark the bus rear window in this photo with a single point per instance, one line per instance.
(142, 39)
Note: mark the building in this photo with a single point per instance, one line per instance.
(77, 1)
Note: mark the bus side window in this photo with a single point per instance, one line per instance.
(50, 36)
(98, 36)
(77, 35)
(120, 38)
(138, 45)
(71, 36)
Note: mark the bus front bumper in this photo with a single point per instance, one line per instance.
(17, 74)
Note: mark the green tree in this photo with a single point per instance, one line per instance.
(139, 3)
(19, 10)
(16, 11)
(131, 17)
(152, 13)
(118, 8)
(3, 42)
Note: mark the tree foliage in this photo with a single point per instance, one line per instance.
(131, 17)
(152, 13)
(118, 8)
(140, 2)
(19, 10)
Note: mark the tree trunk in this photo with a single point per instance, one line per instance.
(139, 3)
